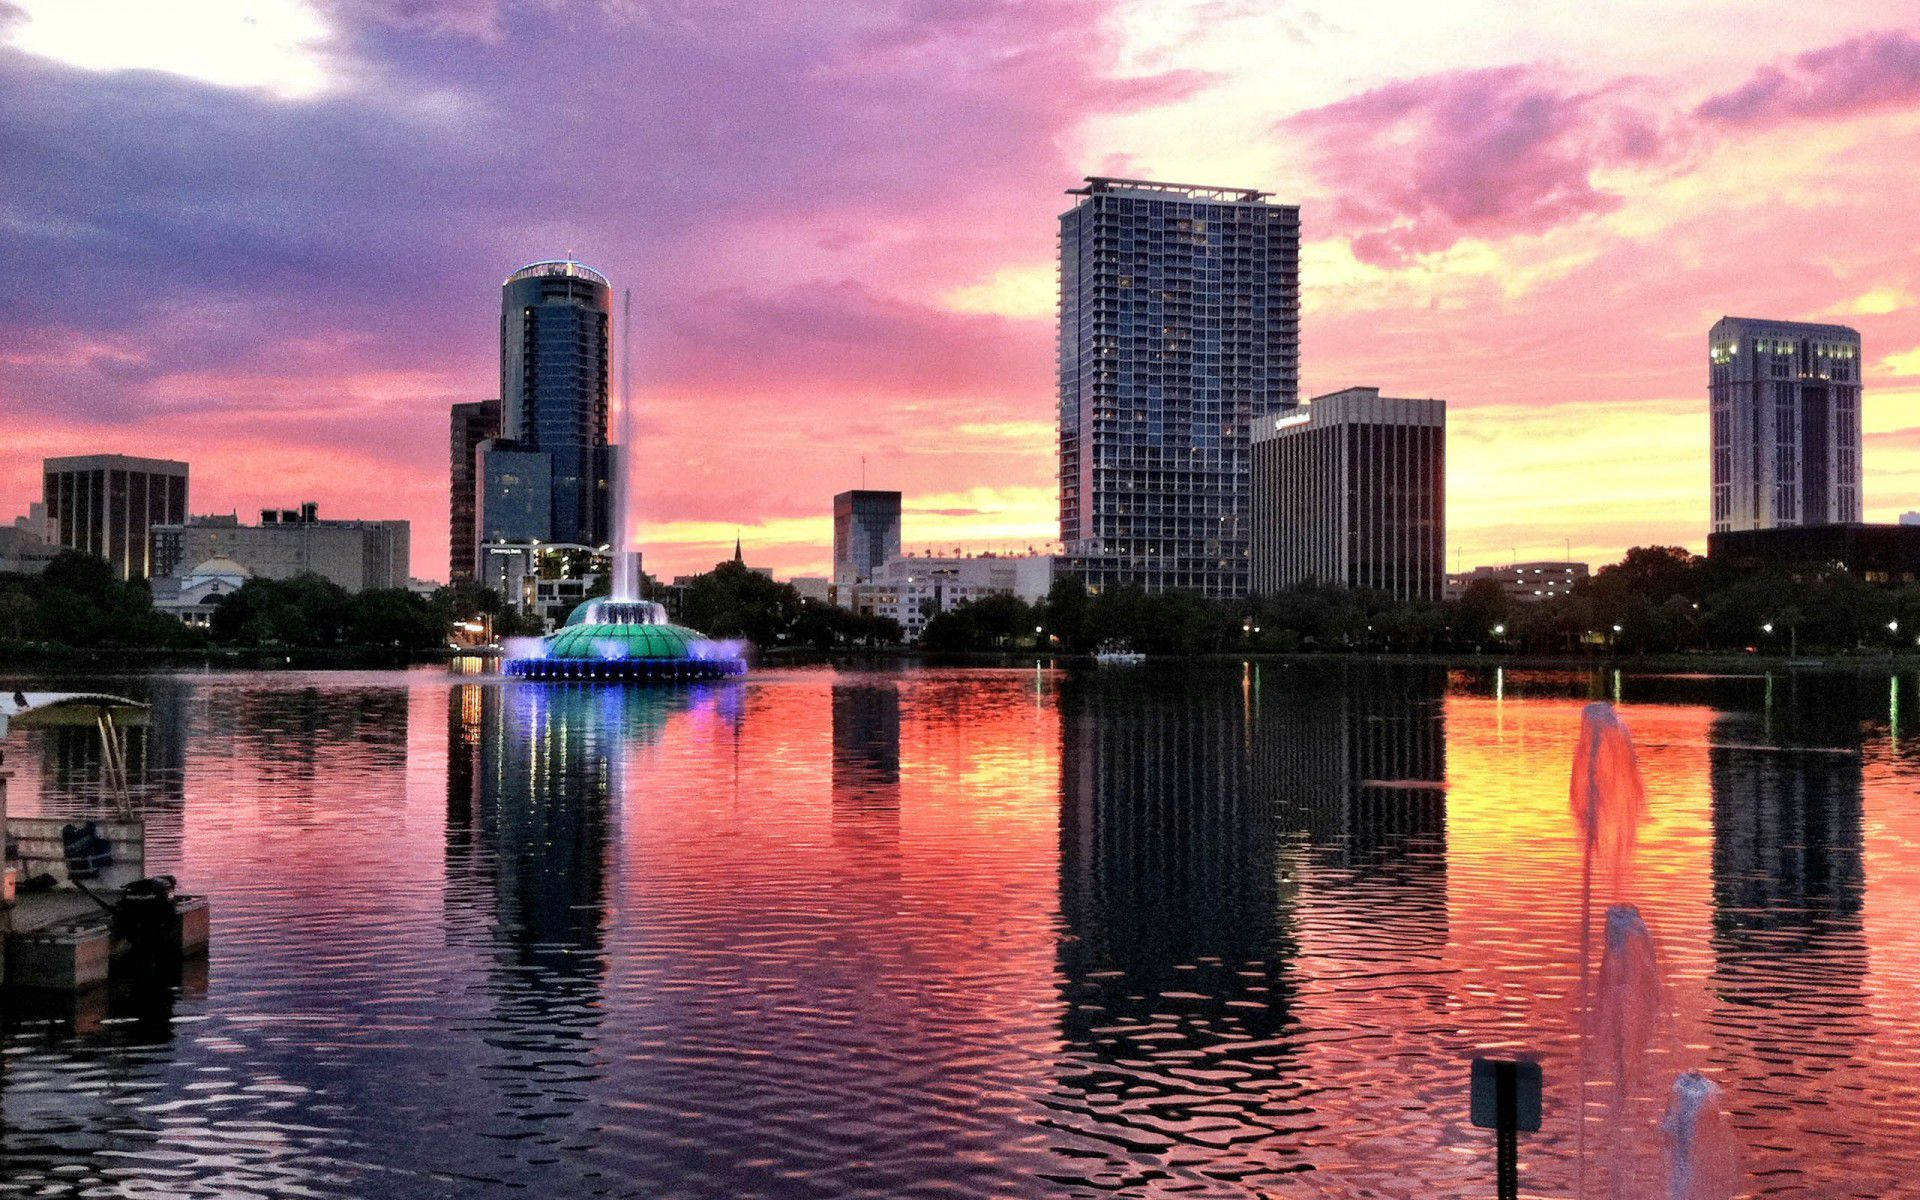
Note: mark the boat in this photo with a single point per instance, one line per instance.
(76, 902)
(1112, 654)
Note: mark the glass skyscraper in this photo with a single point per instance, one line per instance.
(554, 342)
(1784, 404)
(1179, 326)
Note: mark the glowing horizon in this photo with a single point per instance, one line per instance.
(292, 219)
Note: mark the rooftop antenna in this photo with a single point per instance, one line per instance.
(863, 472)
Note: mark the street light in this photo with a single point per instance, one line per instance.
(1767, 628)
(1616, 629)
(1499, 631)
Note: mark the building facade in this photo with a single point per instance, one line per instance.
(360, 556)
(1350, 489)
(1522, 581)
(912, 590)
(471, 424)
(866, 533)
(1784, 404)
(106, 505)
(1179, 327)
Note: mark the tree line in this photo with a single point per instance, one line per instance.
(1656, 599)
(78, 603)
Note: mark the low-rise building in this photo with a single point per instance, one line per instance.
(546, 579)
(193, 595)
(1883, 554)
(360, 556)
(1522, 581)
(26, 546)
(911, 590)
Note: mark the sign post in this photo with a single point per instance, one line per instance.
(1505, 1098)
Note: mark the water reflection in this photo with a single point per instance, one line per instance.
(1222, 932)
(1190, 817)
(1790, 959)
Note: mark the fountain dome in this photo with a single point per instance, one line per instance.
(612, 640)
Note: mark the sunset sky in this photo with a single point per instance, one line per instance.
(267, 237)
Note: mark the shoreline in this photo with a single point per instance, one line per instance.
(40, 658)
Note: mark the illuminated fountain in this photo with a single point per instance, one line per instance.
(622, 638)
(1621, 1017)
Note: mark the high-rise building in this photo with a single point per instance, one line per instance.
(554, 345)
(1350, 489)
(866, 533)
(472, 424)
(1785, 424)
(106, 504)
(1179, 327)
(545, 484)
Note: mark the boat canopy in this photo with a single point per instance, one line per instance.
(35, 710)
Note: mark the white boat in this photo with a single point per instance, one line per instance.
(1116, 656)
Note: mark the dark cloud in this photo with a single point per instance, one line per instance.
(1878, 70)
(1420, 163)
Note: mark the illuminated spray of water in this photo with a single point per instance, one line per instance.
(626, 559)
(1620, 1018)
(1703, 1159)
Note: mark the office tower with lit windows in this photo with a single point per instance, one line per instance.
(1179, 327)
(1351, 489)
(1784, 402)
(106, 505)
(866, 534)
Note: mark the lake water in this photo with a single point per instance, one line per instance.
(1222, 932)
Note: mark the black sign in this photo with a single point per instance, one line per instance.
(1520, 1079)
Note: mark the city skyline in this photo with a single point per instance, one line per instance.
(1531, 225)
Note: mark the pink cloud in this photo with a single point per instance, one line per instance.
(1420, 163)
(1878, 70)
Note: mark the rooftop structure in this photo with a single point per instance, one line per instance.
(557, 267)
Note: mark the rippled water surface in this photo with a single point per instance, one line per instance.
(1230, 932)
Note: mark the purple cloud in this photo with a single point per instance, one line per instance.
(1420, 163)
(1877, 70)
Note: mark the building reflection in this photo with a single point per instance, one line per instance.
(1789, 979)
(1174, 966)
(866, 772)
(534, 780)
(1206, 829)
